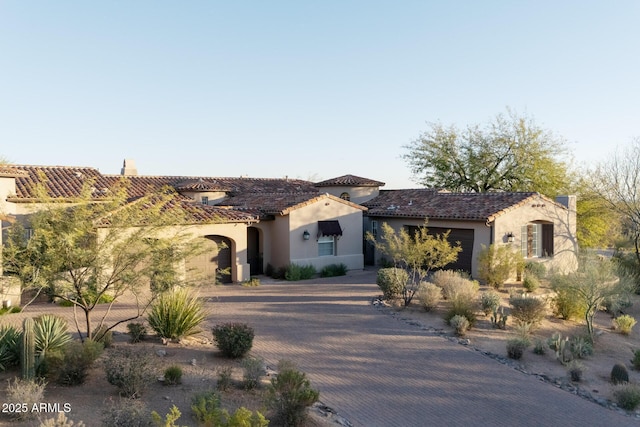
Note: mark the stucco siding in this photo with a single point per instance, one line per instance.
(356, 194)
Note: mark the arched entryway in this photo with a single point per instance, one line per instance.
(213, 265)
(254, 254)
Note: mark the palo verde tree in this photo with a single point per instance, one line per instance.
(418, 254)
(510, 153)
(89, 250)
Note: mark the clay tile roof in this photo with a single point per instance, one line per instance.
(429, 203)
(10, 171)
(200, 185)
(349, 180)
(61, 181)
(279, 203)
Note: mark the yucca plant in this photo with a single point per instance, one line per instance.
(176, 315)
(50, 334)
(9, 347)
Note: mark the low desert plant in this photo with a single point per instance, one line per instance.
(332, 270)
(9, 347)
(530, 282)
(460, 324)
(536, 269)
(253, 282)
(50, 333)
(169, 420)
(208, 413)
(76, 359)
(580, 347)
(624, 324)
(60, 421)
(619, 374)
(173, 375)
(125, 413)
(636, 360)
(137, 331)
(253, 370)
(455, 285)
(527, 309)
(575, 369)
(392, 282)
(233, 339)
(289, 394)
(462, 308)
(489, 302)
(130, 370)
(26, 393)
(567, 303)
(297, 272)
(499, 318)
(103, 335)
(539, 346)
(176, 314)
(496, 263)
(224, 374)
(627, 396)
(516, 347)
(429, 295)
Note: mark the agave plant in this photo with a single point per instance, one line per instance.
(50, 333)
(176, 314)
(9, 347)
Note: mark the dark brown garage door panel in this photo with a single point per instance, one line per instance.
(465, 237)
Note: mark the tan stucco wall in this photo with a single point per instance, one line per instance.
(280, 242)
(564, 228)
(214, 196)
(348, 246)
(357, 195)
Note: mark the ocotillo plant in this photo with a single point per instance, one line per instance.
(28, 360)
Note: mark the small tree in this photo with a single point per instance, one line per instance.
(418, 254)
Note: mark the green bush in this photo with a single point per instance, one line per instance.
(567, 304)
(527, 309)
(253, 282)
(496, 264)
(392, 281)
(9, 347)
(580, 347)
(460, 324)
(624, 324)
(516, 347)
(50, 333)
(130, 370)
(530, 282)
(627, 396)
(619, 374)
(537, 269)
(539, 346)
(636, 360)
(233, 339)
(207, 412)
(489, 302)
(289, 394)
(173, 375)
(253, 370)
(453, 283)
(224, 374)
(575, 370)
(126, 413)
(333, 270)
(429, 295)
(71, 368)
(462, 307)
(299, 272)
(176, 314)
(103, 335)
(137, 331)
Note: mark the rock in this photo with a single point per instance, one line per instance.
(161, 353)
(193, 362)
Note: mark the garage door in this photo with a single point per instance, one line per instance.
(462, 235)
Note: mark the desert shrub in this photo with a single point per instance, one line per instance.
(580, 347)
(169, 420)
(496, 263)
(125, 413)
(26, 393)
(208, 413)
(624, 323)
(636, 359)
(539, 346)
(516, 347)
(537, 269)
(103, 335)
(527, 309)
(253, 370)
(9, 347)
(615, 304)
(619, 374)
(130, 370)
(462, 307)
(173, 375)
(530, 282)
(60, 421)
(627, 396)
(137, 331)
(333, 270)
(299, 272)
(489, 302)
(566, 304)
(233, 339)
(50, 333)
(429, 295)
(289, 394)
(253, 282)
(392, 281)
(176, 314)
(575, 370)
(454, 283)
(76, 359)
(499, 318)
(460, 324)
(224, 374)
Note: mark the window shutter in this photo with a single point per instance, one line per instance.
(547, 240)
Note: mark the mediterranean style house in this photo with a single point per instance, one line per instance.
(250, 223)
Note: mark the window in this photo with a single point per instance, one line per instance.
(326, 245)
(374, 228)
(345, 196)
(537, 240)
(205, 200)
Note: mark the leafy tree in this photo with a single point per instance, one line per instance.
(418, 254)
(510, 153)
(598, 224)
(86, 249)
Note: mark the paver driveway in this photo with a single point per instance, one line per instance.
(376, 370)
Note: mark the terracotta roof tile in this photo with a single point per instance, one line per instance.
(429, 203)
(349, 180)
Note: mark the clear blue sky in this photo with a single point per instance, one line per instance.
(304, 88)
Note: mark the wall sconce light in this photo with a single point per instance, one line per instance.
(510, 237)
(306, 235)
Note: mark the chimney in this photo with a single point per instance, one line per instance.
(568, 202)
(129, 168)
